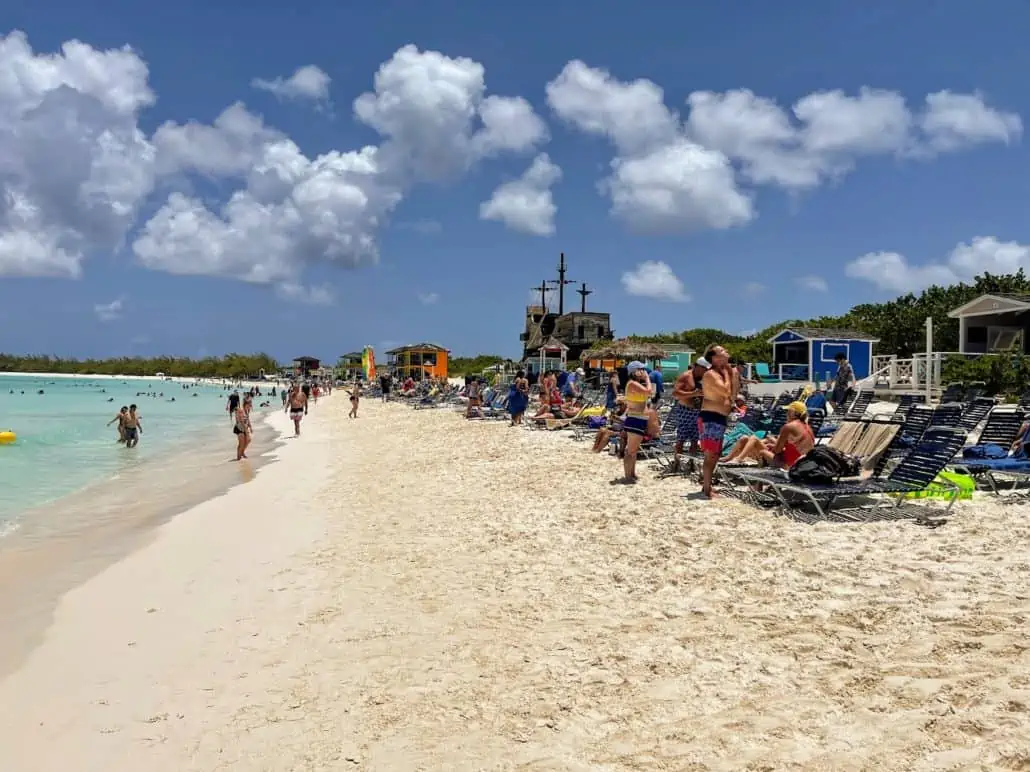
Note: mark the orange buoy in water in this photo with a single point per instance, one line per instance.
(7, 437)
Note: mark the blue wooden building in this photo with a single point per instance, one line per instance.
(809, 353)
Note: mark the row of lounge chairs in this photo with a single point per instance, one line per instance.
(901, 453)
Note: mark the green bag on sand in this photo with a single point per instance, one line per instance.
(965, 484)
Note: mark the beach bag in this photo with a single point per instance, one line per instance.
(987, 450)
(823, 465)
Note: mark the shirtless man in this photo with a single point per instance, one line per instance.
(298, 403)
(132, 427)
(719, 389)
(687, 393)
(120, 418)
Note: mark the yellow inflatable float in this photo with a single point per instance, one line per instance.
(7, 437)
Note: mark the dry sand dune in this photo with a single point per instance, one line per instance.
(410, 591)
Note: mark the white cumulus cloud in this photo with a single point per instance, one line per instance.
(436, 118)
(307, 83)
(660, 180)
(526, 204)
(676, 174)
(654, 279)
(890, 271)
(76, 169)
(108, 312)
(291, 209)
(74, 165)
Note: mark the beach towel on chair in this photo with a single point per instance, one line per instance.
(985, 451)
(943, 487)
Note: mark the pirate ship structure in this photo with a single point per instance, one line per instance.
(550, 338)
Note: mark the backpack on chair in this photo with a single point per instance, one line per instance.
(823, 465)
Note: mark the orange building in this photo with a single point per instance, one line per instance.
(419, 361)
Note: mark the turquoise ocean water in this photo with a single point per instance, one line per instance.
(64, 444)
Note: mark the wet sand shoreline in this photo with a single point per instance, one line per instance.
(61, 544)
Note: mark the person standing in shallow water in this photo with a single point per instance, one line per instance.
(120, 418)
(232, 403)
(242, 428)
(133, 427)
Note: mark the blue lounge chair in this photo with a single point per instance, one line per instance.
(934, 451)
(762, 370)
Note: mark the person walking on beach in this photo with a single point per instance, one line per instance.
(132, 427)
(639, 393)
(718, 395)
(120, 418)
(232, 404)
(298, 403)
(283, 394)
(355, 398)
(687, 407)
(306, 388)
(241, 428)
(844, 383)
(386, 383)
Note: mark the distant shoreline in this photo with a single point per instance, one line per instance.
(173, 378)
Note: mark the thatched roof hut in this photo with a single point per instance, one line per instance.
(626, 348)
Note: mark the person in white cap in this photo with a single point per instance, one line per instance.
(687, 393)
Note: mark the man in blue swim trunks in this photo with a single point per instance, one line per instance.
(687, 393)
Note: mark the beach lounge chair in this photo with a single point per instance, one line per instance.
(854, 409)
(953, 392)
(917, 470)
(762, 370)
(975, 413)
(1008, 474)
(1003, 425)
(906, 401)
(869, 439)
(974, 391)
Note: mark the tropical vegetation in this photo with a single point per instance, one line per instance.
(458, 366)
(228, 366)
(899, 324)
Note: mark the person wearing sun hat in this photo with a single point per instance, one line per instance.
(790, 446)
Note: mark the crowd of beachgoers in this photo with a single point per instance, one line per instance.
(809, 448)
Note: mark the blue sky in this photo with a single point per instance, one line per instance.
(733, 219)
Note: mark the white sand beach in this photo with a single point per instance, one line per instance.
(411, 591)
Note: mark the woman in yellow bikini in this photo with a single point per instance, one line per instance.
(638, 392)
